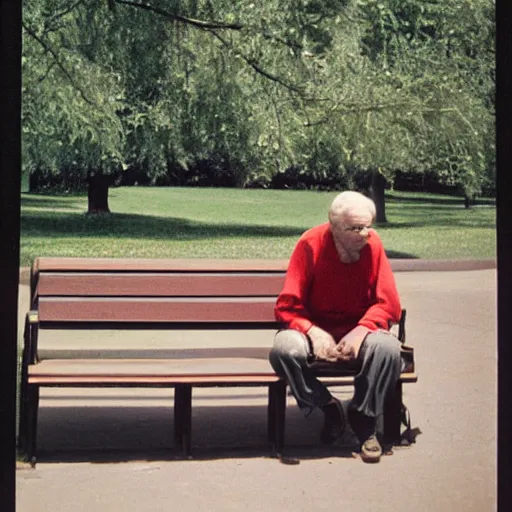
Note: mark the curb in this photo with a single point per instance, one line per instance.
(397, 265)
(413, 265)
(24, 275)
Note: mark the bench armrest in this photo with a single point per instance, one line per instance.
(30, 337)
(398, 329)
(32, 317)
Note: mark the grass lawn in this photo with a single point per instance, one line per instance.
(153, 222)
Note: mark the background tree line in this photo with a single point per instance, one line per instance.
(275, 93)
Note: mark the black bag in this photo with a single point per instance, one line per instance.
(407, 355)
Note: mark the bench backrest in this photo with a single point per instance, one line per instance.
(125, 292)
(116, 295)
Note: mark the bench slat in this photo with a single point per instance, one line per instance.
(148, 380)
(156, 310)
(221, 368)
(148, 352)
(159, 284)
(198, 381)
(157, 265)
(225, 366)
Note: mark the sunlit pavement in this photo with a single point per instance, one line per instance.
(103, 450)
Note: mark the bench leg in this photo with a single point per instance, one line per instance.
(183, 417)
(277, 416)
(392, 415)
(23, 419)
(271, 419)
(24, 408)
(30, 423)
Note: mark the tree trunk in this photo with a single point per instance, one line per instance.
(97, 193)
(33, 182)
(377, 192)
(469, 201)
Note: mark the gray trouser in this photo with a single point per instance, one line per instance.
(379, 366)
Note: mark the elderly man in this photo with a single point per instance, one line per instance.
(337, 303)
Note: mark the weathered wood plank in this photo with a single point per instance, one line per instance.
(156, 310)
(158, 265)
(155, 284)
(226, 366)
(148, 381)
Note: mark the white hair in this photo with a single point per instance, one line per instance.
(349, 202)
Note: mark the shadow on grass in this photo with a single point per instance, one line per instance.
(448, 200)
(439, 216)
(64, 224)
(70, 224)
(57, 202)
(439, 223)
(401, 255)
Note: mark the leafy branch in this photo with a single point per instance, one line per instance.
(58, 62)
(205, 25)
(45, 76)
(66, 10)
(356, 108)
(213, 26)
(254, 65)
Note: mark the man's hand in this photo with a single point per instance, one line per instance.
(349, 345)
(324, 346)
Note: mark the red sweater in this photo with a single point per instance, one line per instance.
(321, 290)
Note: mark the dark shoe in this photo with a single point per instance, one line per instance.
(363, 426)
(334, 422)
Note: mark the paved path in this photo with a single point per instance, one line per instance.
(115, 453)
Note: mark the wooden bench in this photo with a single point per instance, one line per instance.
(226, 301)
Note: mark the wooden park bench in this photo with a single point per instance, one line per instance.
(213, 298)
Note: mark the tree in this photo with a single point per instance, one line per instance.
(162, 114)
(70, 103)
(334, 88)
(448, 49)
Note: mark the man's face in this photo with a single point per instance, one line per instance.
(352, 230)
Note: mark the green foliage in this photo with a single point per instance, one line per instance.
(443, 54)
(326, 88)
(70, 103)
